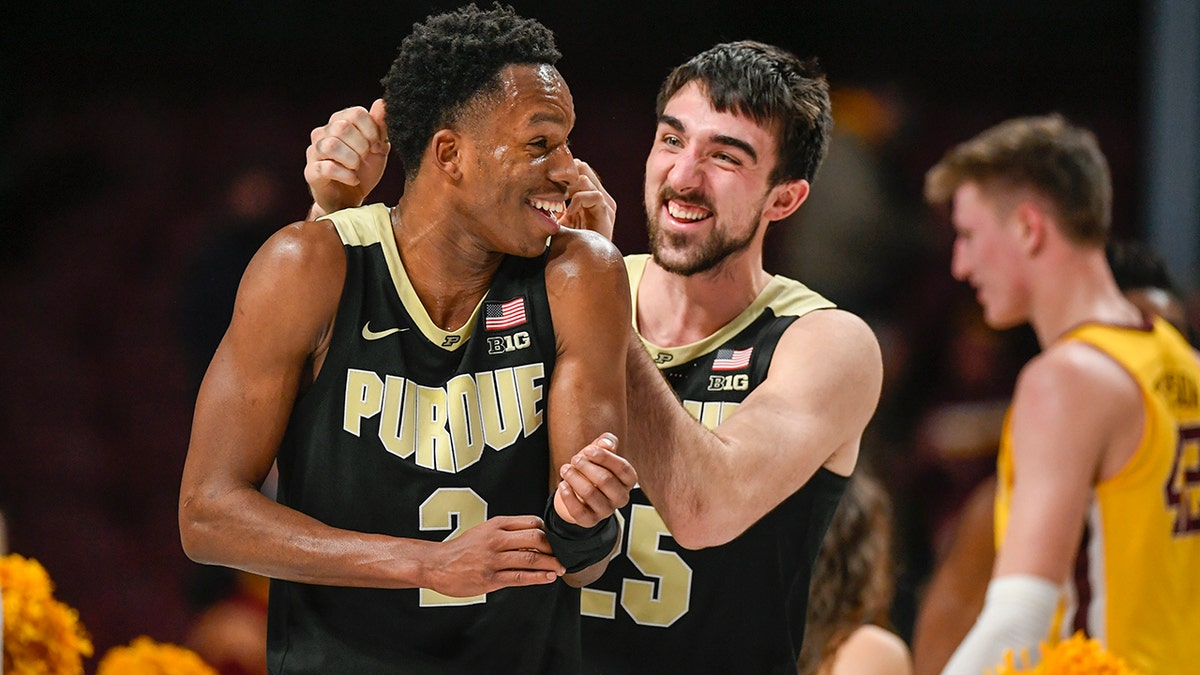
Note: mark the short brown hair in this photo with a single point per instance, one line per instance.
(1061, 162)
(771, 86)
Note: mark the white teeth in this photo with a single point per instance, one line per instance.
(554, 208)
(686, 212)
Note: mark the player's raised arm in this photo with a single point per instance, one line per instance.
(589, 298)
(819, 394)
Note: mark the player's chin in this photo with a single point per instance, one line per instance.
(999, 319)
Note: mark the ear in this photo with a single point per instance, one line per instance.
(446, 152)
(1033, 225)
(784, 199)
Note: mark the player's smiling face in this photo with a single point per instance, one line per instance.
(521, 166)
(707, 180)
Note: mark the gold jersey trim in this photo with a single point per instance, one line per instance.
(372, 224)
(783, 296)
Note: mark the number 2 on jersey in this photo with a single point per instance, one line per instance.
(458, 510)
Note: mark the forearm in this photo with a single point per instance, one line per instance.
(315, 211)
(1016, 615)
(941, 625)
(245, 530)
(677, 459)
(593, 572)
(333, 198)
(955, 595)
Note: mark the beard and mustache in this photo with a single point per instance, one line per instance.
(693, 257)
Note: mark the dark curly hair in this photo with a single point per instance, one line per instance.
(772, 87)
(1136, 265)
(449, 60)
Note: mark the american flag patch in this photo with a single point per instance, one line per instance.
(732, 359)
(501, 315)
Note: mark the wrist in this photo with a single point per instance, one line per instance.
(315, 211)
(578, 547)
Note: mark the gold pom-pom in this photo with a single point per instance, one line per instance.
(1077, 656)
(144, 656)
(42, 636)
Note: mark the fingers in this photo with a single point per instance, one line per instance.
(601, 461)
(526, 525)
(507, 578)
(346, 157)
(360, 130)
(379, 116)
(339, 148)
(342, 170)
(591, 206)
(525, 552)
(589, 176)
(502, 551)
(596, 482)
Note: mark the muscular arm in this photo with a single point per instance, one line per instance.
(1076, 419)
(589, 294)
(282, 320)
(811, 410)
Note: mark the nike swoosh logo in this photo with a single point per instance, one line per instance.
(369, 334)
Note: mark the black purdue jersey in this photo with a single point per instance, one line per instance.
(736, 608)
(413, 431)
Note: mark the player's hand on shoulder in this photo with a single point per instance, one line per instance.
(346, 158)
(595, 483)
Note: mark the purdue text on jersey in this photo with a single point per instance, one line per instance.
(446, 428)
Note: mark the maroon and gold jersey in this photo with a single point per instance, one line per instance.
(1142, 591)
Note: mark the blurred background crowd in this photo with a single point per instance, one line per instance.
(150, 148)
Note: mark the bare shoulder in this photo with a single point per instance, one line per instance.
(584, 247)
(834, 350)
(1075, 378)
(871, 650)
(1075, 411)
(294, 282)
(825, 376)
(833, 334)
(582, 261)
(1072, 361)
(310, 245)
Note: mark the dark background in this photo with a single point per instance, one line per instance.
(125, 125)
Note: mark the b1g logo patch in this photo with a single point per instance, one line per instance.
(501, 344)
(740, 382)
